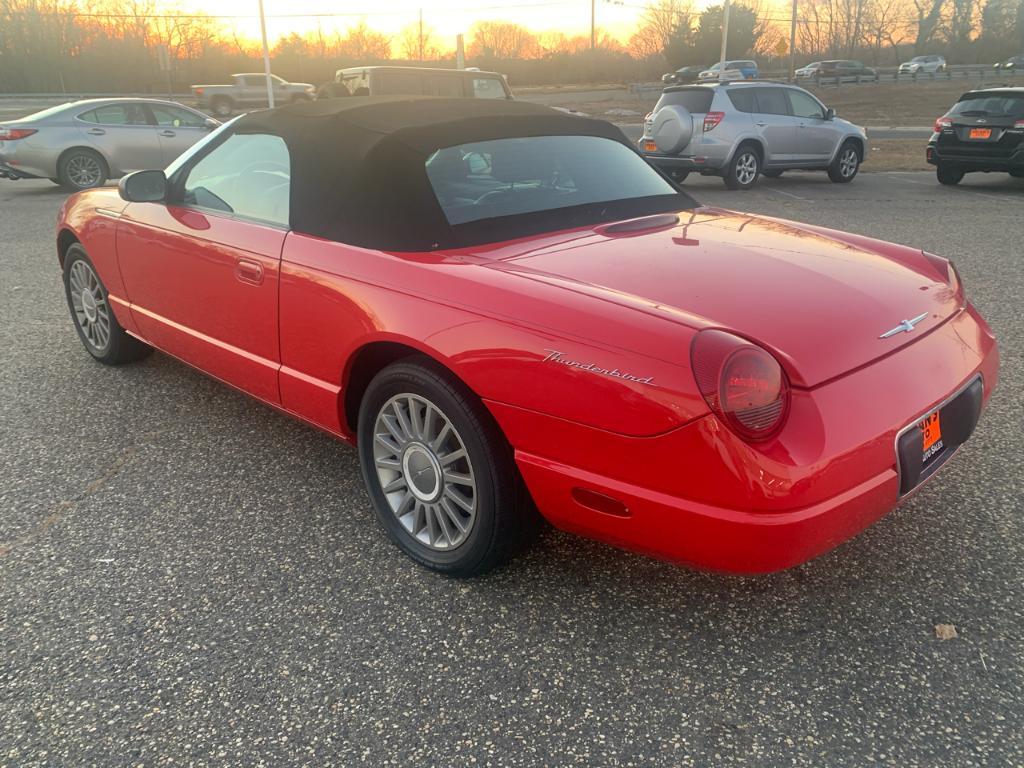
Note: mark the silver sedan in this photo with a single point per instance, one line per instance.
(82, 144)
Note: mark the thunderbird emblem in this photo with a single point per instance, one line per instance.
(906, 325)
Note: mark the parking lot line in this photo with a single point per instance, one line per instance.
(787, 194)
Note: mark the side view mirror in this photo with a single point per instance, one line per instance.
(210, 123)
(143, 187)
(830, 114)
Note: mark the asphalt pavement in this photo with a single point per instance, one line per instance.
(190, 578)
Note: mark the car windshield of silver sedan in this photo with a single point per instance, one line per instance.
(506, 177)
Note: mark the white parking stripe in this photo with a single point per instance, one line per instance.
(787, 194)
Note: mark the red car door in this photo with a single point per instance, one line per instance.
(202, 271)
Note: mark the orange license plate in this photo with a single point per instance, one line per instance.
(981, 133)
(650, 146)
(932, 431)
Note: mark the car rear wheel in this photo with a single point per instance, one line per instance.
(438, 470)
(81, 168)
(97, 327)
(222, 106)
(948, 175)
(844, 168)
(773, 173)
(678, 176)
(744, 168)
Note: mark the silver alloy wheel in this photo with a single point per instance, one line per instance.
(84, 171)
(92, 313)
(746, 168)
(848, 162)
(424, 471)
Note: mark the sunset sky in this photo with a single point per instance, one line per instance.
(446, 17)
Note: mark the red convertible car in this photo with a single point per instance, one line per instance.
(507, 310)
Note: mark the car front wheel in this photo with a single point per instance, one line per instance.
(948, 175)
(438, 470)
(222, 107)
(744, 168)
(846, 164)
(97, 327)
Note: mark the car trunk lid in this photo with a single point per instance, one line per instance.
(820, 303)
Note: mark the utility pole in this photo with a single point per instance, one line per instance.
(792, 45)
(266, 58)
(725, 39)
(593, 26)
(421, 35)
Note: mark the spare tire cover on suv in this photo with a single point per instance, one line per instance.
(672, 128)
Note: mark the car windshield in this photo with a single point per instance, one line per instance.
(507, 177)
(990, 105)
(919, 59)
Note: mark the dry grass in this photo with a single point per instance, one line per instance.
(896, 155)
(901, 104)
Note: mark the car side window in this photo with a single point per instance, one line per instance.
(401, 84)
(116, 114)
(442, 85)
(176, 117)
(247, 175)
(743, 99)
(772, 101)
(804, 105)
(488, 88)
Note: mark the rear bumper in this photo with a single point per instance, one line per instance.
(10, 172)
(696, 163)
(700, 496)
(936, 155)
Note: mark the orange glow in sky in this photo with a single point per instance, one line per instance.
(446, 18)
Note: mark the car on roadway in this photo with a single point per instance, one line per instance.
(505, 309)
(740, 69)
(923, 64)
(248, 90)
(82, 144)
(416, 81)
(809, 70)
(683, 75)
(837, 68)
(741, 130)
(1012, 64)
(982, 132)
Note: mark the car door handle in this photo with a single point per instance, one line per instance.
(760, 124)
(97, 131)
(249, 271)
(168, 134)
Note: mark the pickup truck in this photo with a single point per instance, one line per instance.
(248, 90)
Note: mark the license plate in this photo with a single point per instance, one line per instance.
(650, 146)
(981, 133)
(931, 431)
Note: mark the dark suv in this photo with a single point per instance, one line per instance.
(983, 131)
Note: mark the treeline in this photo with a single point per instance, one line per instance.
(83, 46)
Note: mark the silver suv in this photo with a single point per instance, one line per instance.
(741, 130)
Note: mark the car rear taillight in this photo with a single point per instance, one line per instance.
(197, 91)
(743, 384)
(1018, 124)
(712, 119)
(943, 122)
(11, 134)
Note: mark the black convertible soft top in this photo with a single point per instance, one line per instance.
(358, 172)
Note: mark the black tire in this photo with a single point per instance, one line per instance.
(678, 176)
(844, 168)
(1017, 174)
(744, 168)
(82, 168)
(55, 180)
(502, 522)
(222, 106)
(773, 173)
(948, 175)
(115, 347)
